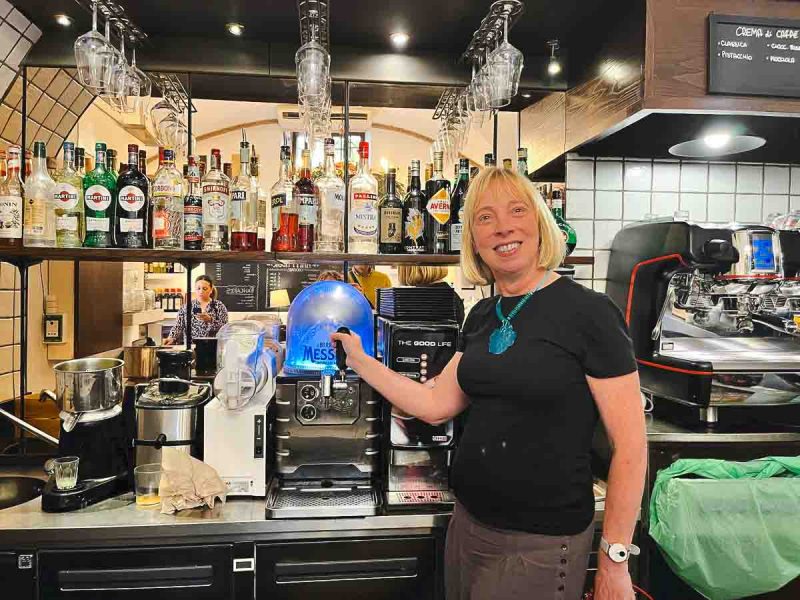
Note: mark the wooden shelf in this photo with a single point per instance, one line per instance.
(14, 255)
(143, 317)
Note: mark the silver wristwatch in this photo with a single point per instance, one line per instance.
(618, 553)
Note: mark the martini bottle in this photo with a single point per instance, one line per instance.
(68, 199)
(99, 190)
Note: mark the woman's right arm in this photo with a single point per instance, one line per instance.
(432, 405)
(176, 333)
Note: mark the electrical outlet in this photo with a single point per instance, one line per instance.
(53, 329)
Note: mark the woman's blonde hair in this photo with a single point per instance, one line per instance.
(552, 247)
(419, 275)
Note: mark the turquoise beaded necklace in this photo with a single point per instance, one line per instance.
(504, 336)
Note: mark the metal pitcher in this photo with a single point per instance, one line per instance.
(87, 384)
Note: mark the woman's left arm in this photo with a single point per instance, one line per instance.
(619, 402)
(220, 317)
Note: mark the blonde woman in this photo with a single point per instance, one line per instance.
(422, 276)
(538, 364)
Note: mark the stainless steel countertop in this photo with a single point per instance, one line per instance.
(659, 430)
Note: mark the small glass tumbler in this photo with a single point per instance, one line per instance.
(65, 469)
(147, 479)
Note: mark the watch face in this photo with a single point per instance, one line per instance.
(618, 553)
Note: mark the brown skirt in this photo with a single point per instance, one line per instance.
(483, 563)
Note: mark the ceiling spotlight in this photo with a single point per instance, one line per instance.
(717, 140)
(399, 39)
(236, 29)
(554, 65)
(64, 20)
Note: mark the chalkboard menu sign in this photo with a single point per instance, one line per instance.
(239, 285)
(754, 56)
(247, 287)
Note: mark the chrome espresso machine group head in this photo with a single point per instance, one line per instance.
(713, 312)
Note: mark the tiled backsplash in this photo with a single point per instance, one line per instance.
(604, 194)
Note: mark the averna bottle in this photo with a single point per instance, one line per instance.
(244, 203)
(567, 230)
(11, 202)
(390, 218)
(216, 206)
(284, 207)
(131, 221)
(193, 209)
(438, 208)
(363, 234)
(414, 239)
(39, 219)
(68, 200)
(457, 199)
(329, 235)
(305, 194)
(99, 190)
(168, 204)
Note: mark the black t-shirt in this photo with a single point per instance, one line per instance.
(523, 462)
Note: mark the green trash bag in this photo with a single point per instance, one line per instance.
(731, 529)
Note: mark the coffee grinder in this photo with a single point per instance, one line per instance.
(326, 424)
(93, 428)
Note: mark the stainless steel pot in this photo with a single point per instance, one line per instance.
(141, 362)
(87, 384)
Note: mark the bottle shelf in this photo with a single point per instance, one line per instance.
(15, 255)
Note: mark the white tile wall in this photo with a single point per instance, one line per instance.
(603, 195)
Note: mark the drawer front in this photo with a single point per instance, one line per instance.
(378, 569)
(168, 572)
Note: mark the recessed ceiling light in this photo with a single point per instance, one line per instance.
(717, 145)
(399, 39)
(64, 20)
(236, 29)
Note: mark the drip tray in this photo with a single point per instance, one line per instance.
(310, 499)
(420, 497)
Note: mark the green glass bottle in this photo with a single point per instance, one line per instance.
(566, 229)
(99, 192)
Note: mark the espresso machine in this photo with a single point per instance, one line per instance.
(713, 313)
(95, 429)
(418, 455)
(325, 422)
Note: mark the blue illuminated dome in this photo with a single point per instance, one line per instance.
(318, 311)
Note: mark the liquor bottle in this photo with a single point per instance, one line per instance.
(143, 163)
(11, 202)
(111, 163)
(132, 214)
(284, 207)
(193, 209)
(390, 218)
(99, 191)
(263, 210)
(3, 165)
(438, 208)
(522, 161)
(39, 219)
(428, 172)
(216, 206)
(244, 204)
(363, 234)
(80, 161)
(566, 229)
(227, 169)
(488, 160)
(329, 235)
(457, 199)
(414, 238)
(168, 204)
(68, 200)
(306, 195)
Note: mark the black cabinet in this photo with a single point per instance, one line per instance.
(397, 568)
(164, 572)
(17, 571)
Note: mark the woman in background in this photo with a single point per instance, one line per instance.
(369, 280)
(208, 313)
(421, 276)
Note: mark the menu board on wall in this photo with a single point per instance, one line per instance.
(754, 56)
(239, 285)
(289, 276)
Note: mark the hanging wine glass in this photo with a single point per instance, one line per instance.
(145, 85)
(113, 57)
(93, 55)
(506, 64)
(158, 113)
